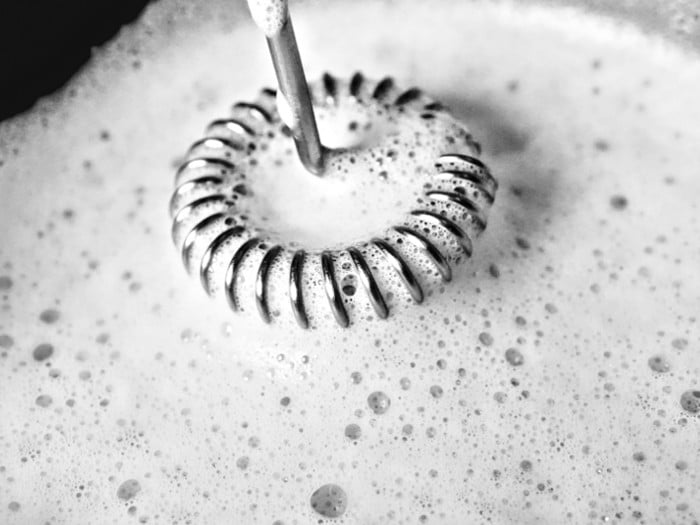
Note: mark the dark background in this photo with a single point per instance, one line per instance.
(43, 43)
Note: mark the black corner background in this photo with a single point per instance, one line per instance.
(43, 43)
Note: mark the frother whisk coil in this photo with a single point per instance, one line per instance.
(454, 203)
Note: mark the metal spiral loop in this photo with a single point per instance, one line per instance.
(209, 184)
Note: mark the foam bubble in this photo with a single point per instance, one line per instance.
(329, 501)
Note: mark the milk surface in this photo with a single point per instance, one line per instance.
(551, 382)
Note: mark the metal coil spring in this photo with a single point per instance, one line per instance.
(201, 182)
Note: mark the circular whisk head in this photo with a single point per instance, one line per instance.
(220, 219)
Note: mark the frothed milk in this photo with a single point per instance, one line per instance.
(554, 381)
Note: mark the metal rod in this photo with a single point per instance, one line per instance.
(292, 84)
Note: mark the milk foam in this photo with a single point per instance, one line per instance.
(565, 354)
